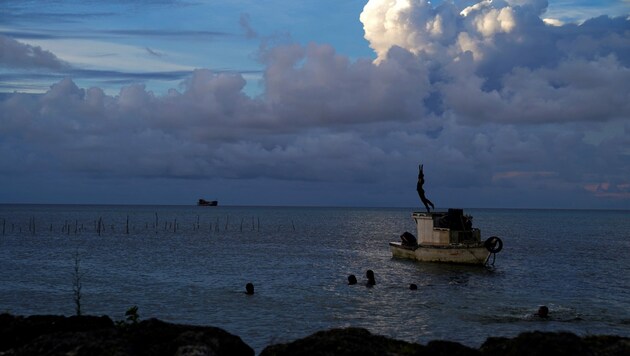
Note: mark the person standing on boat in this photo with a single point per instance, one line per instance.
(420, 189)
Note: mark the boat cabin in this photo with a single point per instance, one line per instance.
(445, 228)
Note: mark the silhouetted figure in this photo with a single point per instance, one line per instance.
(412, 286)
(420, 189)
(352, 279)
(370, 276)
(249, 289)
(543, 312)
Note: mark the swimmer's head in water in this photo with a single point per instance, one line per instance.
(543, 312)
(352, 279)
(370, 276)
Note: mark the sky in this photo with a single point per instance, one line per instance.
(506, 103)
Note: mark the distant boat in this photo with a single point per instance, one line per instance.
(203, 202)
(446, 237)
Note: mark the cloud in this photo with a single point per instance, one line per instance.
(315, 86)
(517, 174)
(499, 61)
(575, 90)
(413, 25)
(244, 21)
(153, 53)
(608, 190)
(14, 54)
(200, 35)
(553, 22)
(210, 126)
(494, 101)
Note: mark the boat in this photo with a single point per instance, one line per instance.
(203, 202)
(446, 237)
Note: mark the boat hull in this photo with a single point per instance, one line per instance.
(203, 202)
(461, 254)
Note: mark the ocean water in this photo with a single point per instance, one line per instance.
(189, 264)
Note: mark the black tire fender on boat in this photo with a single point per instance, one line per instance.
(493, 244)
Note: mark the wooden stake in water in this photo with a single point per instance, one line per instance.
(76, 283)
(100, 226)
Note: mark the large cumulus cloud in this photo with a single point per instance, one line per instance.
(301, 128)
(500, 62)
(489, 97)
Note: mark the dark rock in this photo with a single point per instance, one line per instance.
(59, 335)
(155, 337)
(560, 344)
(344, 342)
(18, 330)
(49, 335)
(449, 348)
(356, 341)
(608, 345)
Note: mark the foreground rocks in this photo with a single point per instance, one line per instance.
(355, 341)
(90, 335)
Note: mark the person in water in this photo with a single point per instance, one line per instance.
(420, 189)
(352, 279)
(370, 276)
(249, 289)
(543, 312)
(413, 286)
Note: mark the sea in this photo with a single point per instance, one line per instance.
(190, 264)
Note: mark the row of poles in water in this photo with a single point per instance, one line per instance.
(100, 227)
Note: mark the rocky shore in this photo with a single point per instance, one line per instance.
(92, 335)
